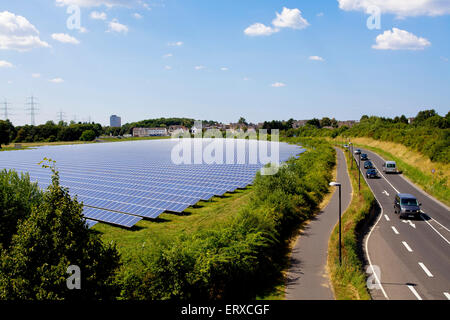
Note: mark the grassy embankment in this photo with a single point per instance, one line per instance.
(417, 167)
(349, 279)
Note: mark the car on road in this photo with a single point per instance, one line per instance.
(372, 174)
(368, 165)
(357, 151)
(406, 205)
(389, 167)
(364, 156)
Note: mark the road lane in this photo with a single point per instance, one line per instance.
(400, 269)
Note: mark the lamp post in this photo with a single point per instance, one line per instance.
(359, 169)
(337, 184)
(351, 152)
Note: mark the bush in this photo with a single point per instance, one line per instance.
(88, 135)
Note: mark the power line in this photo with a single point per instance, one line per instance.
(5, 109)
(32, 109)
(61, 116)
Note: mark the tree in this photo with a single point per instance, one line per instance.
(325, 122)
(314, 122)
(242, 121)
(18, 195)
(54, 237)
(5, 132)
(424, 115)
(88, 135)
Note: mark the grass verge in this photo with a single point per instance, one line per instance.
(204, 215)
(349, 279)
(417, 167)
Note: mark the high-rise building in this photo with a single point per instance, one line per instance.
(115, 121)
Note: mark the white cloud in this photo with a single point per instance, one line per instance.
(401, 8)
(175, 44)
(168, 67)
(278, 85)
(17, 33)
(199, 67)
(224, 69)
(168, 55)
(56, 80)
(83, 30)
(137, 16)
(259, 29)
(290, 18)
(64, 38)
(320, 14)
(36, 75)
(98, 15)
(316, 58)
(115, 26)
(246, 79)
(400, 40)
(5, 64)
(10, 82)
(444, 59)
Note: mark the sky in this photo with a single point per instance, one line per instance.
(220, 60)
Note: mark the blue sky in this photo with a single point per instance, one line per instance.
(318, 58)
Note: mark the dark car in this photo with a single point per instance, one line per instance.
(357, 151)
(364, 156)
(406, 205)
(368, 165)
(372, 174)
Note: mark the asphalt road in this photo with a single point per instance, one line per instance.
(307, 276)
(411, 255)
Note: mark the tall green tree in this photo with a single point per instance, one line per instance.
(53, 238)
(5, 132)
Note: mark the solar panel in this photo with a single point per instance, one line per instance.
(91, 223)
(138, 179)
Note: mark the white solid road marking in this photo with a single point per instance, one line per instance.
(447, 295)
(445, 239)
(387, 218)
(426, 270)
(414, 292)
(395, 230)
(407, 246)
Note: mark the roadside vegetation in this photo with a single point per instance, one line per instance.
(349, 279)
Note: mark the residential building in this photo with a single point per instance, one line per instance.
(149, 132)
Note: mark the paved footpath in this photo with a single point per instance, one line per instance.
(307, 276)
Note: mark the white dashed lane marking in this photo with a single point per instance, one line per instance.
(395, 230)
(407, 246)
(425, 269)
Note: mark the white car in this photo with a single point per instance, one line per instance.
(389, 167)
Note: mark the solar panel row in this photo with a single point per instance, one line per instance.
(123, 183)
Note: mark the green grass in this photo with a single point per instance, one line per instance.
(349, 279)
(436, 186)
(146, 233)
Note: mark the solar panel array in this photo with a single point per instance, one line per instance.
(123, 183)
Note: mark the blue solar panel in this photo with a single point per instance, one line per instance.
(91, 223)
(139, 178)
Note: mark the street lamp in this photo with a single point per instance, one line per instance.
(337, 184)
(359, 169)
(351, 152)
